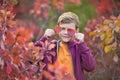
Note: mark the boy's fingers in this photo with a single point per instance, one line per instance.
(49, 33)
(79, 37)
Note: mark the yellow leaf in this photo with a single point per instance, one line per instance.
(101, 26)
(115, 58)
(30, 45)
(117, 23)
(51, 46)
(107, 21)
(109, 39)
(107, 49)
(102, 44)
(91, 33)
(102, 37)
(117, 29)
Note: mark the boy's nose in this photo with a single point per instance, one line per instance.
(65, 31)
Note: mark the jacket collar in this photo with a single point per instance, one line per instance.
(71, 43)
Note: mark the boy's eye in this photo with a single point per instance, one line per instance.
(71, 32)
(62, 28)
(57, 29)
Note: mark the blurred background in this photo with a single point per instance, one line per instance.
(22, 22)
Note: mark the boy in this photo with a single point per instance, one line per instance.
(71, 50)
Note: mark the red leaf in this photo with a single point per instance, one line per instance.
(1, 51)
(104, 5)
(9, 38)
(57, 29)
(45, 14)
(42, 65)
(22, 65)
(71, 32)
(47, 75)
(8, 56)
(16, 59)
(21, 39)
(33, 69)
(8, 69)
(23, 77)
(49, 59)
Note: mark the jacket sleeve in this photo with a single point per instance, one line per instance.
(87, 59)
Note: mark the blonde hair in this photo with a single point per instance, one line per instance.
(68, 17)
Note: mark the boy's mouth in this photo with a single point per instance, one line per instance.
(65, 37)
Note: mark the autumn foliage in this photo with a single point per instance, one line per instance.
(104, 41)
(21, 59)
(41, 8)
(16, 47)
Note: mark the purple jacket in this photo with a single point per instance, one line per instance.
(81, 57)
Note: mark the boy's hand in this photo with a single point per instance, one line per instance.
(49, 33)
(79, 37)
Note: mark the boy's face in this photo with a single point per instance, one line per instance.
(67, 31)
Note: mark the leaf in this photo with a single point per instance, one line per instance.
(106, 22)
(58, 4)
(15, 50)
(8, 69)
(9, 38)
(91, 33)
(107, 49)
(49, 58)
(115, 58)
(21, 39)
(14, 2)
(117, 23)
(53, 53)
(8, 56)
(1, 51)
(51, 46)
(16, 59)
(45, 14)
(1, 63)
(75, 1)
(109, 39)
(30, 45)
(57, 29)
(102, 37)
(39, 55)
(22, 65)
(71, 32)
(10, 22)
(23, 77)
(47, 75)
(117, 29)
(33, 69)
(42, 65)
(104, 5)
